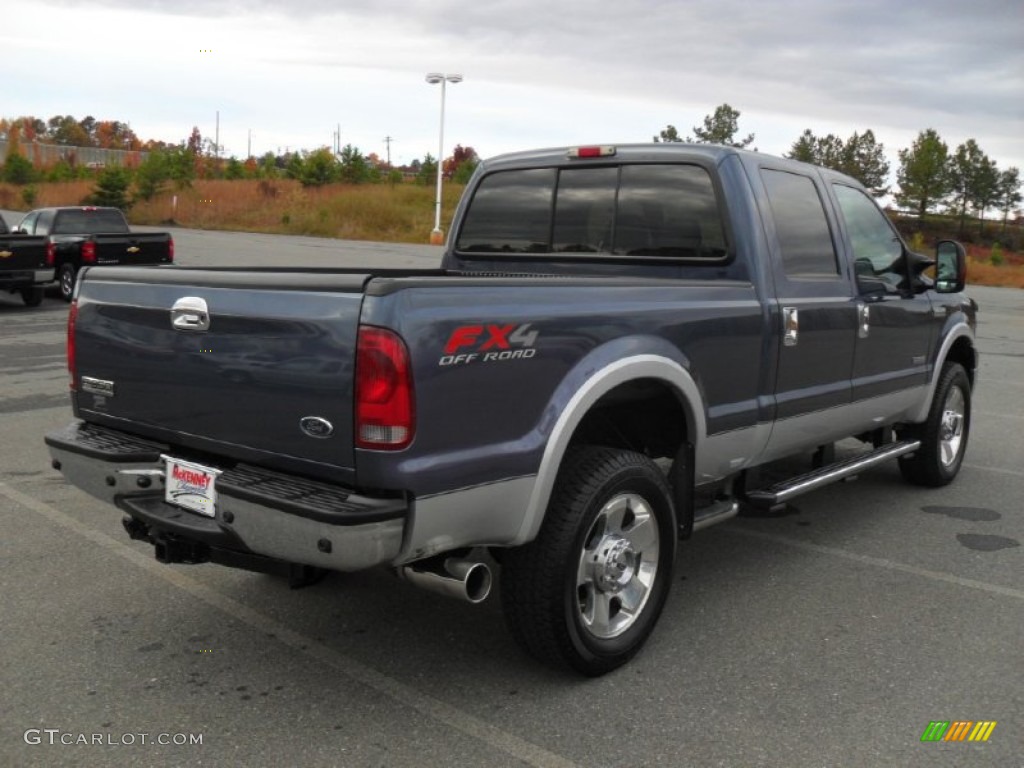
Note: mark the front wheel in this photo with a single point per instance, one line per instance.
(66, 278)
(588, 590)
(944, 434)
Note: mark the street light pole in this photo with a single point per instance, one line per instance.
(437, 236)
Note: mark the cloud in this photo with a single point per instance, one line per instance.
(575, 67)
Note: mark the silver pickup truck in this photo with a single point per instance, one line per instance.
(618, 337)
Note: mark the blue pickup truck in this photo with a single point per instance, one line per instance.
(617, 338)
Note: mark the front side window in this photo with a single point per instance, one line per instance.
(630, 210)
(801, 227)
(877, 251)
(28, 224)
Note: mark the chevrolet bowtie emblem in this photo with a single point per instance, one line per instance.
(133, 249)
(6, 254)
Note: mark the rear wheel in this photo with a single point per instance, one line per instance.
(32, 295)
(66, 279)
(588, 590)
(944, 434)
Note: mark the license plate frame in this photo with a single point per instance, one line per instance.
(190, 486)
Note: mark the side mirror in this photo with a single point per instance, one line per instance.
(950, 267)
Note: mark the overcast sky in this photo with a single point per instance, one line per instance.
(536, 73)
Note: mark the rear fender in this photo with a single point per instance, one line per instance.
(599, 373)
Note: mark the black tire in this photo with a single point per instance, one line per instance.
(608, 538)
(66, 275)
(32, 295)
(944, 434)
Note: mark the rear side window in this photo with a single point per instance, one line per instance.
(801, 227)
(89, 222)
(630, 210)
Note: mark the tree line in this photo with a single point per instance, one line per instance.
(161, 165)
(930, 175)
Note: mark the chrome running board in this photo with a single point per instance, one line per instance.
(780, 493)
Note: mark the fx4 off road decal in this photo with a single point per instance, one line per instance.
(489, 343)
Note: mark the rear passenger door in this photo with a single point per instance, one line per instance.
(816, 311)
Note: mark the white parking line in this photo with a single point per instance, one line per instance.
(429, 706)
(997, 470)
(995, 415)
(878, 562)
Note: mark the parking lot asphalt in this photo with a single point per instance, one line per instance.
(829, 636)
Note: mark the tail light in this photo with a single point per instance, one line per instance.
(88, 252)
(170, 249)
(72, 364)
(384, 407)
(51, 254)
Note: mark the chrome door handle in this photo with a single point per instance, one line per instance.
(790, 326)
(863, 321)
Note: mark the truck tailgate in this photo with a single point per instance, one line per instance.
(271, 376)
(135, 248)
(22, 252)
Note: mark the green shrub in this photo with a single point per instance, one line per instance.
(29, 195)
(17, 169)
(111, 188)
(996, 256)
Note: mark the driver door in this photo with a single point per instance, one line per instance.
(894, 322)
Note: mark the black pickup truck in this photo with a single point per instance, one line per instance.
(26, 265)
(616, 340)
(90, 235)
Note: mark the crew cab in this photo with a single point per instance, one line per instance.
(617, 339)
(93, 236)
(26, 265)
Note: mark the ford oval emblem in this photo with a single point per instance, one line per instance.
(314, 426)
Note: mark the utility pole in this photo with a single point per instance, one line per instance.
(387, 142)
(248, 149)
(216, 137)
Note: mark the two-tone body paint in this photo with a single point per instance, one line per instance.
(491, 430)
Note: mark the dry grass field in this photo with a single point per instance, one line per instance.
(401, 213)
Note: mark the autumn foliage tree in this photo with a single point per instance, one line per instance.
(17, 169)
(460, 166)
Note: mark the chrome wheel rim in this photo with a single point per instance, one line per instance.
(951, 428)
(618, 566)
(67, 282)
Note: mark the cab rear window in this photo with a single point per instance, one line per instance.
(89, 221)
(648, 210)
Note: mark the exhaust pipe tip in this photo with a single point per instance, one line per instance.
(468, 580)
